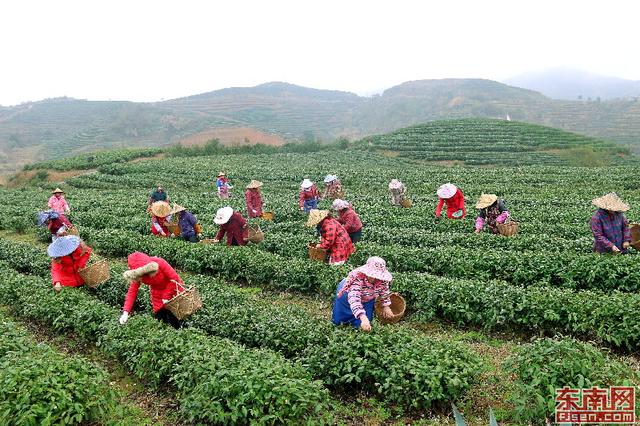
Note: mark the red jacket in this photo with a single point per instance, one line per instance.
(57, 223)
(254, 202)
(160, 284)
(161, 221)
(236, 229)
(350, 220)
(454, 204)
(335, 240)
(65, 269)
(309, 194)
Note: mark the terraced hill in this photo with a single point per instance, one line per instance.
(487, 141)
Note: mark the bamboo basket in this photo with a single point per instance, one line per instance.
(255, 234)
(398, 306)
(173, 228)
(406, 203)
(95, 274)
(73, 230)
(185, 304)
(635, 235)
(268, 216)
(317, 253)
(508, 229)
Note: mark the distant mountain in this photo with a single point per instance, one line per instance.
(61, 127)
(570, 84)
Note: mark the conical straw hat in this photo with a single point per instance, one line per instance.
(611, 202)
(57, 190)
(316, 216)
(176, 209)
(160, 209)
(254, 184)
(486, 200)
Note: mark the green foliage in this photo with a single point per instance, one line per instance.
(545, 365)
(39, 386)
(93, 160)
(216, 380)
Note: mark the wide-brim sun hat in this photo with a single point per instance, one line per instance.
(486, 200)
(447, 190)
(57, 191)
(135, 274)
(221, 174)
(161, 209)
(177, 208)
(306, 184)
(63, 246)
(611, 202)
(223, 215)
(376, 268)
(395, 184)
(254, 184)
(339, 204)
(330, 178)
(316, 216)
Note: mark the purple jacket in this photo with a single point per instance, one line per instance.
(609, 229)
(187, 224)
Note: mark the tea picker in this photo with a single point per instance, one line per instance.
(610, 228)
(349, 219)
(453, 197)
(68, 256)
(334, 238)
(253, 197)
(308, 198)
(159, 212)
(185, 224)
(233, 225)
(57, 202)
(356, 296)
(492, 212)
(333, 188)
(163, 281)
(398, 192)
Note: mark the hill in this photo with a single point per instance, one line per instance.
(570, 84)
(496, 142)
(62, 127)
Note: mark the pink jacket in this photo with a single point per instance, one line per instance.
(58, 205)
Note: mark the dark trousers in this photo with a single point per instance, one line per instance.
(167, 317)
(192, 239)
(355, 236)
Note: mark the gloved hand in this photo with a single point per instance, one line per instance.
(165, 301)
(124, 317)
(57, 286)
(615, 249)
(199, 235)
(387, 312)
(163, 234)
(365, 325)
(626, 245)
(216, 241)
(254, 211)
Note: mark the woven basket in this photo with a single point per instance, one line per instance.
(96, 273)
(398, 306)
(317, 253)
(185, 304)
(73, 230)
(508, 229)
(173, 228)
(255, 234)
(406, 203)
(635, 235)
(268, 216)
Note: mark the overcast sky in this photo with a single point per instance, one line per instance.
(151, 50)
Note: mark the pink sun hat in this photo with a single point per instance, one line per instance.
(447, 190)
(376, 268)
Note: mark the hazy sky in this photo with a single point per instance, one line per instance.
(150, 50)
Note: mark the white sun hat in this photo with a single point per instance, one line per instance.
(330, 178)
(447, 190)
(223, 215)
(306, 184)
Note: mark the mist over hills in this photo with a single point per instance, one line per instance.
(572, 84)
(63, 126)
